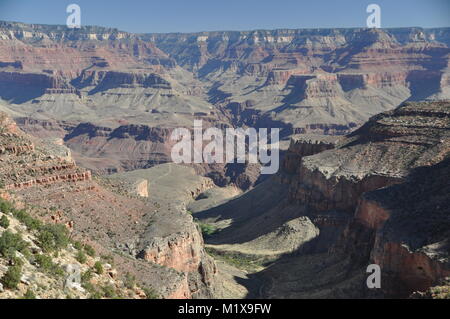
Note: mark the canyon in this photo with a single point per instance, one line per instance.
(376, 196)
(85, 126)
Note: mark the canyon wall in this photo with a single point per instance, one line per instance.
(42, 174)
(389, 179)
(304, 81)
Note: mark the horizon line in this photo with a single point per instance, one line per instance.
(223, 30)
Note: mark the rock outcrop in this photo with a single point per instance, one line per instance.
(25, 165)
(173, 239)
(184, 251)
(408, 225)
(392, 174)
(305, 145)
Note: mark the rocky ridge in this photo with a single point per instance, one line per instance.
(98, 215)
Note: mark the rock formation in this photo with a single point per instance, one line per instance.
(42, 174)
(390, 173)
(375, 196)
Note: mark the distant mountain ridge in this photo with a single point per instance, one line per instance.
(326, 81)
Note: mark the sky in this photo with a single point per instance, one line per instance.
(209, 15)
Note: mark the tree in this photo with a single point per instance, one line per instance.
(81, 257)
(4, 222)
(98, 267)
(53, 237)
(10, 243)
(89, 250)
(29, 294)
(12, 277)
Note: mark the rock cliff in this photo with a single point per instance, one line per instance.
(42, 174)
(392, 174)
(375, 196)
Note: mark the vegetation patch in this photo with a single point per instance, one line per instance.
(248, 263)
(206, 229)
(98, 267)
(150, 293)
(12, 277)
(10, 243)
(46, 264)
(53, 237)
(4, 222)
(81, 257)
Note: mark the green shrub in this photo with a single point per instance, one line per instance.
(17, 261)
(239, 260)
(46, 264)
(10, 243)
(150, 293)
(53, 237)
(86, 276)
(96, 295)
(43, 261)
(4, 222)
(207, 229)
(12, 277)
(6, 207)
(78, 245)
(129, 281)
(98, 267)
(89, 250)
(46, 241)
(29, 294)
(109, 291)
(24, 217)
(81, 257)
(88, 286)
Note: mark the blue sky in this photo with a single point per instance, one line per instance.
(209, 15)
